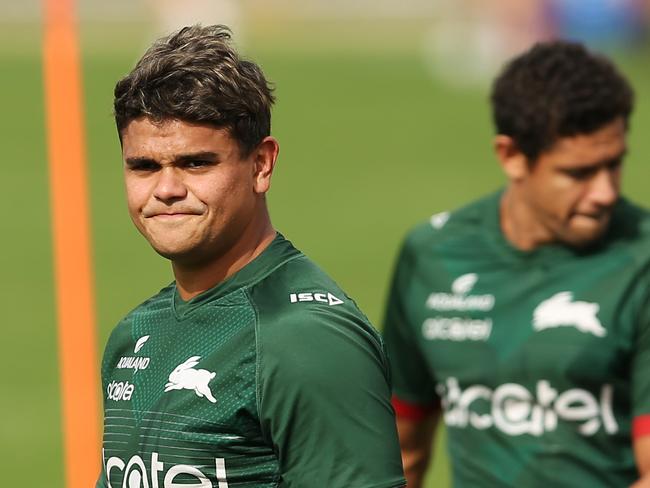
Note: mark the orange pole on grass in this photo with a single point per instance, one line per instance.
(71, 242)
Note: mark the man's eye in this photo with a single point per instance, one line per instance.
(580, 174)
(198, 163)
(615, 165)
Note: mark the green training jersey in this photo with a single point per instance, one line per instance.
(273, 378)
(540, 360)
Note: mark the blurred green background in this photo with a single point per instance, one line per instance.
(371, 144)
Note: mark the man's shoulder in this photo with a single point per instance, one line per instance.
(297, 287)
(467, 224)
(299, 299)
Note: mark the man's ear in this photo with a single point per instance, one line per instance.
(512, 160)
(264, 158)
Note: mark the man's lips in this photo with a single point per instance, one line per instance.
(170, 215)
(595, 215)
(600, 217)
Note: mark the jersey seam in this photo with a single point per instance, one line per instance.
(258, 391)
(272, 270)
(258, 359)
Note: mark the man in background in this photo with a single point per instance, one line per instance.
(253, 368)
(523, 319)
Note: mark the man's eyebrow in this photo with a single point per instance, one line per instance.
(136, 161)
(597, 164)
(181, 158)
(613, 160)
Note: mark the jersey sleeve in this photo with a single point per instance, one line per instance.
(324, 401)
(413, 386)
(640, 376)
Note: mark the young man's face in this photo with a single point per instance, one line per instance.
(571, 189)
(189, 191)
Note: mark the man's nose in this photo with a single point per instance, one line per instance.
(604, 189)
(170, 186)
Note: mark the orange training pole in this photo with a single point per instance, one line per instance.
(71, 241)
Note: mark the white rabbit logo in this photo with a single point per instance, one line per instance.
(562, 310)
(185, 377)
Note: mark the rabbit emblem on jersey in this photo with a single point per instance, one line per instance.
(185, 377)
(562, 310)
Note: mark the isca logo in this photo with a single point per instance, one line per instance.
(327, 298)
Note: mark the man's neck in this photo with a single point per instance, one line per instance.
(194, 280)
(519, 224)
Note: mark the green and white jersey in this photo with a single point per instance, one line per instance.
(273, 378)
(540, 360)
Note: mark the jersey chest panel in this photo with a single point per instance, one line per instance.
(180, 400)
(530, 350)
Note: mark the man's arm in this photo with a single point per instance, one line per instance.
(324, 401)
(416, 404)
(642, 456)
(416, 440)
(640, 382)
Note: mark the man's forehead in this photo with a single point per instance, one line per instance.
(171, 127)
(145, 134)
(600, 146)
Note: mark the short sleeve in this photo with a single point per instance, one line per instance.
(413, 386)
(324, 402)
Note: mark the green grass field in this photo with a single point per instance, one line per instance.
(370, 145)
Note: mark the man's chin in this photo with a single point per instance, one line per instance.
(171, 252)
(586, 231)
(184, 256)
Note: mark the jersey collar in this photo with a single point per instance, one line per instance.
(275, 255)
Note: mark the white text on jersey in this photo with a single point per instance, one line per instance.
(456, 329)
(130, 362)
(135, 473)
(460, 299)
(514, 410)
(315, 297)
(119, 390)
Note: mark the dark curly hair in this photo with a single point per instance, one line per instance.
(557, 89)
(195, 75)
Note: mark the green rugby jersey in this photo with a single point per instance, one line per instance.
(273, 378)
(540, 360)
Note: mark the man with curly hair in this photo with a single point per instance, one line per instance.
(253, 368)
(523, 319)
